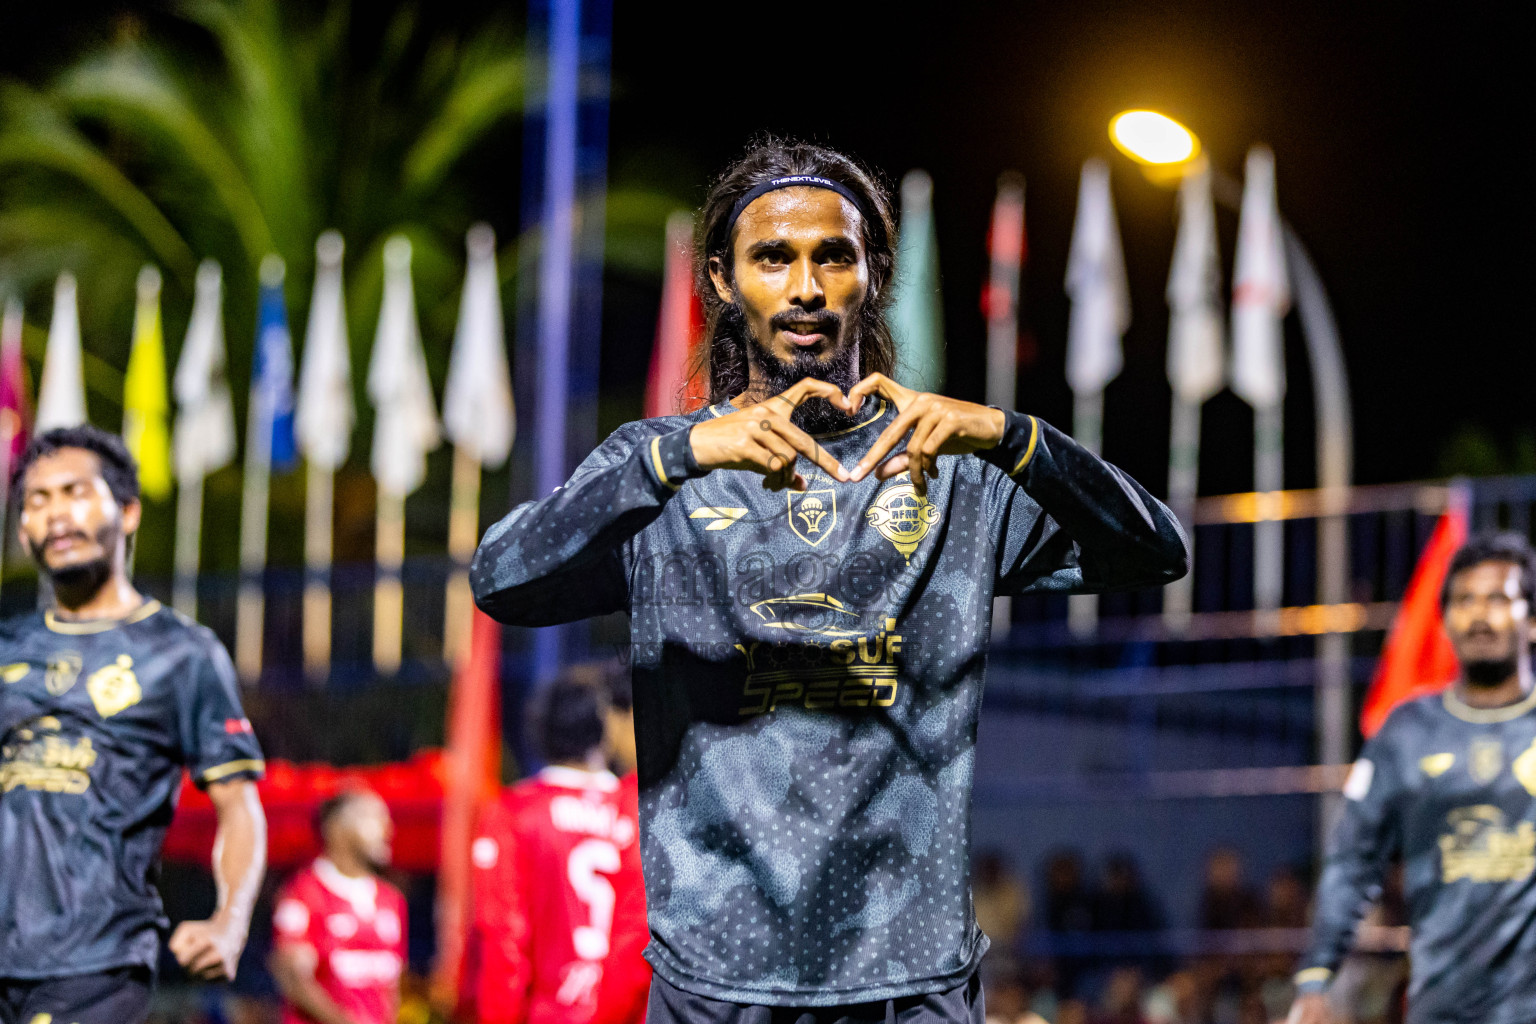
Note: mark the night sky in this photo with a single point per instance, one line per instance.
(1401, 162)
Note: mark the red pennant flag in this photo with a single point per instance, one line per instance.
(14, 414)
(671, 386)
(1417, 659)
(473, 777)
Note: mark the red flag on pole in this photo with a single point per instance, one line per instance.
(671, 386)
(1417, 659)
(473, 777)
(14, 415)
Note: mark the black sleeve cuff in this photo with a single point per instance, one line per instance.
(670, 457)
(1021, 438)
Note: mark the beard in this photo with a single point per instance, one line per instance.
(840, 369)
(1490, 672)
(82, 579)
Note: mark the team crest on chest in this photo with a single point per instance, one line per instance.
(902, 517)
(114, 688)
(1486, 759)
(63, 669)
(813, 514)
(1524, 769)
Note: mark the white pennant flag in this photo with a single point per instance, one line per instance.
(205, 417)
(1101, 304)
(61, 396)
(1260, 289)
(325, 414)
(477, 401)
(405, 420)
(1195, 358)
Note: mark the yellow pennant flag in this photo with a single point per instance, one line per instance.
(146, 406)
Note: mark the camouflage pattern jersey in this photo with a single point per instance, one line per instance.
(1451, 790)
(808, 673)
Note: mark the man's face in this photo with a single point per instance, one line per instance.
(69, 519)
(799, 275)
(1489, 621)
(367, 826)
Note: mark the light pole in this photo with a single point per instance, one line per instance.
(1167, 151)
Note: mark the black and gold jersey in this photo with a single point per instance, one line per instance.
(807, 676)
(1451, 790)
(97, 721)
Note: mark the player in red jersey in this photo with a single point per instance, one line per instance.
(339, 928)
(552, 859)
(626, 983)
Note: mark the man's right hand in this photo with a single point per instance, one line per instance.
(1310, 1008)
(762, 439)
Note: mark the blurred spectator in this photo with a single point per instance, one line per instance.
(1175, 1001)
(1285, 900)
(1068, 911)
(1123, 903)
(339, 928)
(1002, 902)
(1122, 998)
(1010, 995)
(1068, 904)
(1227, 901)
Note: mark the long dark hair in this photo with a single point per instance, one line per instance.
(724, 352)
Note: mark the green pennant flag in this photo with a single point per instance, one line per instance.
(917, 315)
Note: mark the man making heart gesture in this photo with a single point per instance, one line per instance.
(809, 565)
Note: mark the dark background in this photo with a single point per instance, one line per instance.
(1399, 136)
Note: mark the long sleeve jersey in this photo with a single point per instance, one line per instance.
(1449, 788)
(808, 672)
(553, 859)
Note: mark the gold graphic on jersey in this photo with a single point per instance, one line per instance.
(902, 517)
(1436, 765)
(861, 674)
(63, 670)
(15, 673)
(114, 688)
(723, 516)
(821, 614)
(812, 514)
(1480, 847)
(37, 758)
(1524, 769)
(1485, 760)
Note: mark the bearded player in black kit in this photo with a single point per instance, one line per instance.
(105, 696)
(809, 566)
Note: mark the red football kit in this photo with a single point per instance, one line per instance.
(356, 929)
(554, 858)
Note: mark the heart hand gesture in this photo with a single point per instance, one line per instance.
(932, 425)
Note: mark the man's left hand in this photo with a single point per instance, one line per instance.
(208, 950)
(932, 424)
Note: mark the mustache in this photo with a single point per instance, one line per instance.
(823, 321)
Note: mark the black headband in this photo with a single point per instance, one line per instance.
(792, 181)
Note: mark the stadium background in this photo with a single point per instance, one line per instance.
(1399, 164)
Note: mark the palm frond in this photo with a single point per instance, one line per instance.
(34, 135)
(136, 96)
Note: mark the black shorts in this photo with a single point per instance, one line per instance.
(960, 1005)
(119, 996)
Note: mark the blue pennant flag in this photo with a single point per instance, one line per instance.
(272, 373)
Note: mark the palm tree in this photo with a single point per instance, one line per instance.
(250, 133)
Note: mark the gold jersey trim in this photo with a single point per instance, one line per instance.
(1029, 451)
(73, 628)
(879, 411)
(1312, 974)
(661, 474)
(219, 771)
(1484, 716)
